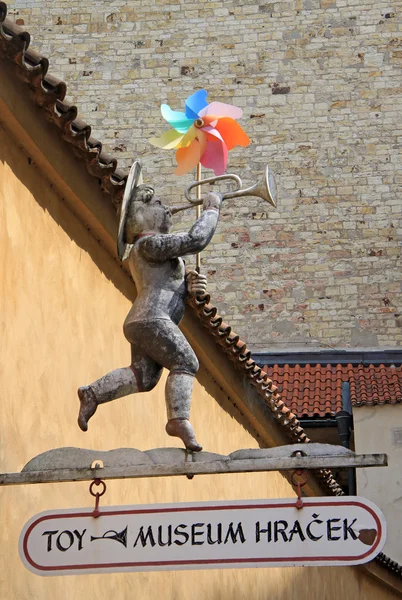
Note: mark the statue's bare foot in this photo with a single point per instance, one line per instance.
(87, 408)
(183, 429)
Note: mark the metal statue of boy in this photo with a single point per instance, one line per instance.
(151, 326)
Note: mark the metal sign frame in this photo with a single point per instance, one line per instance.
(204, 535)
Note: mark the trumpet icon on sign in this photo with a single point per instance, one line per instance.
(111, 534)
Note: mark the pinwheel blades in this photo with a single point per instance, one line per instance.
(203, 133)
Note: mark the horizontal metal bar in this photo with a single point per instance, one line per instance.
(195, 468)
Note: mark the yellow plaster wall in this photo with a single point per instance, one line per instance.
(63, 302)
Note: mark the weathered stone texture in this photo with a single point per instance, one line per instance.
(320, 85)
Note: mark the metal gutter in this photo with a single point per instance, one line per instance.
(325, 356)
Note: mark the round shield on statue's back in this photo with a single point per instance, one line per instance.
(134, 180)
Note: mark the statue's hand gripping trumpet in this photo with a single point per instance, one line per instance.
(151, 326)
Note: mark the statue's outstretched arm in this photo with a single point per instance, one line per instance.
(162, 247)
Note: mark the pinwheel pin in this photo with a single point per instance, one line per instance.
(203, 134)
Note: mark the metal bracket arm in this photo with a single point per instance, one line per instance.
(74, 464)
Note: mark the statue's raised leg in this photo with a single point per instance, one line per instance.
(141, 376)
(116, 384)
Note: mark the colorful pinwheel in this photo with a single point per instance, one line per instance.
(204, 133)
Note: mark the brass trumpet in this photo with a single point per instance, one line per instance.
(265, 189)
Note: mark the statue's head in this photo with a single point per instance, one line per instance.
(146, 213)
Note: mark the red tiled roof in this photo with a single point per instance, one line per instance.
(316, 390)
(371, 385)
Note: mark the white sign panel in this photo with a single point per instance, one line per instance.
(255, 533)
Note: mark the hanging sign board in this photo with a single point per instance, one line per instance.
(210, 535)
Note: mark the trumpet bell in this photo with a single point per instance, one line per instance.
(265, 189)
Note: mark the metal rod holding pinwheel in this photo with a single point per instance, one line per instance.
(202, 135)
(198, 214)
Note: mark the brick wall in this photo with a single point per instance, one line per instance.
(320, 85)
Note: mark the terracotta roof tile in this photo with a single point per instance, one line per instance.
(316, 390)
(376, 385)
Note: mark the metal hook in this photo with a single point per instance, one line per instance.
(97, 495)
(299, 484)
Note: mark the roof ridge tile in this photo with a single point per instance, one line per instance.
(48, 93)
(262, 383)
